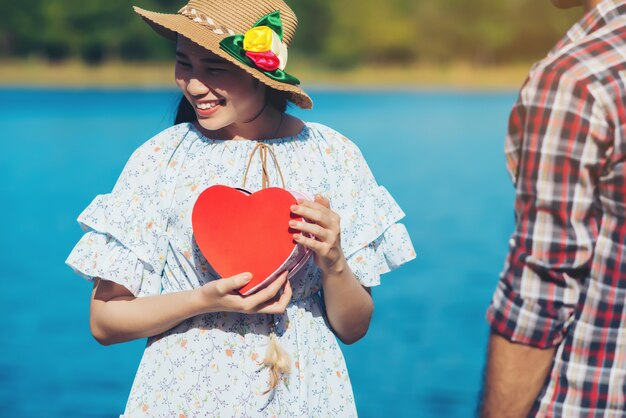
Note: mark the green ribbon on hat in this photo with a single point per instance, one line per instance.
(234, 46)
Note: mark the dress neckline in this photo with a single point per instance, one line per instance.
(253, 142)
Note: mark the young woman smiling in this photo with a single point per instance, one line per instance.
(210, 350)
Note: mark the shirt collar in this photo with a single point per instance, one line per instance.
(601, 15)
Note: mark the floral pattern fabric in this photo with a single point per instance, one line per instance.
(140, 236)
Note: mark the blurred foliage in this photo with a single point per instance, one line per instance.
(338, 33)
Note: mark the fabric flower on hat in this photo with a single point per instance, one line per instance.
(264, 47)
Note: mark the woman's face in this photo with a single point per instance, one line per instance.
(221, 93)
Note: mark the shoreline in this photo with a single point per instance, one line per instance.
(117, 75)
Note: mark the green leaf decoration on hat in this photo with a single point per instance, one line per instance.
(273, 21)
(234, 45)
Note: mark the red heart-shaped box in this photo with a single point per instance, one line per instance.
(238, 231)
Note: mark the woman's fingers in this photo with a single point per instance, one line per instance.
(230, 284)
(224, 293)
(315, 245)
(315, 212)
(322, 201)
(314, 229)
(265, 294)
(277, 305)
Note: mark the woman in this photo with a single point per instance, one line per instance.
(210, 350)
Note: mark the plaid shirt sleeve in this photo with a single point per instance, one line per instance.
(554, 155)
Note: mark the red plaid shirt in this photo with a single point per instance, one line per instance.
(564, 280)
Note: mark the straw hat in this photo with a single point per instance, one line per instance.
(252, 34)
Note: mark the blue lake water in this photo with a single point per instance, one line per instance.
(438, 153)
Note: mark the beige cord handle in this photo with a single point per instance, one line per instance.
(277, 359)
(263, 149)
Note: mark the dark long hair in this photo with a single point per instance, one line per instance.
(276, 98)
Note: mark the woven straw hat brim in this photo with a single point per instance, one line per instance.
(170, 25)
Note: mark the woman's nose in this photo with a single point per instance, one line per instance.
(197, 87)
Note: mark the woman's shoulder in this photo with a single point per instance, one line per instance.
(323, 131)
(164, 142)
(332, 138)
(157, 151)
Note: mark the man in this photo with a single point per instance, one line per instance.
(558, 315)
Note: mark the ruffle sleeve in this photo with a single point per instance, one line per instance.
(100, 255)
(375, 243)
(125, 238)
(373, 240)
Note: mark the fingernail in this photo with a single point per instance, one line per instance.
(296, 237)
(247, 276)
(294, 207)
(292, 223)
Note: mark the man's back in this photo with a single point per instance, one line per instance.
(564, 281)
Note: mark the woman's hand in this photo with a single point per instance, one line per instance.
(348, 304)
(324, 225)
(222, 295)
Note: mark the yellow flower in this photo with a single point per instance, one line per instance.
(264, 39)
(261, 39)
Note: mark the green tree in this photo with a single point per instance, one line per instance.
(338, 33)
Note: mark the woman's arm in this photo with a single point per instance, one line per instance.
(117, 316)
(349, 305)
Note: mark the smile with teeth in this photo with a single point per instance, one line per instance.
(207, 105)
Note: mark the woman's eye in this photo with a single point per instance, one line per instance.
(183, 64)
(214, 70)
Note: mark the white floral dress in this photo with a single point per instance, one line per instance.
(140, 236)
